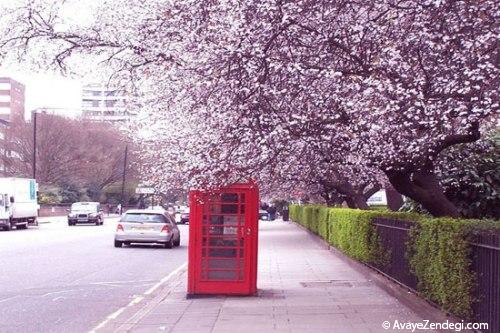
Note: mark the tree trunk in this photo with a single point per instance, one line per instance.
(423, 187)
(394, 198)
(350, 202)
(360, 201)
(356, 201)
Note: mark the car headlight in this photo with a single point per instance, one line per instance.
(71, 215)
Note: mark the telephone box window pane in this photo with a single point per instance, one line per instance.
(242, 209)
(220, 231)
(216, 220)
(222, 275)
(229, 197)
(222, 264)
(224, 209)
(229, 209)
(233, 242)
(241, 275)
(222, 253)
(230, 220)
(223, 220)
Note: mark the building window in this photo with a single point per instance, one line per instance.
(110, 103)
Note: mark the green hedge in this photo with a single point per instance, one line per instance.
(438, 250)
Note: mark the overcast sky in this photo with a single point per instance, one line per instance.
(47, 90)
(52, 90)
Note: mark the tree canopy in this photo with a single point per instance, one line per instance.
(338, 94)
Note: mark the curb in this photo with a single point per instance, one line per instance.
(127, 317)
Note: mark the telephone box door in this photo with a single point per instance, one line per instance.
(223, 241)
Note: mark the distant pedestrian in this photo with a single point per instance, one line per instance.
(109, 208)
(119, 209)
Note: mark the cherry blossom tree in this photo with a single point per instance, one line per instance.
(235, 90)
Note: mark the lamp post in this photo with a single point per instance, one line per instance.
(34, 145)
(123, 178)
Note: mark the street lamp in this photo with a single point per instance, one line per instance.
(35, 112)
(123, 178)
(34, 145)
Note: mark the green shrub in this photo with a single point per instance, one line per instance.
(440, 259)
(323, 220)
(351, 231)
(438, 250)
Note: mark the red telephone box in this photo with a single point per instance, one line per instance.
(223, 232)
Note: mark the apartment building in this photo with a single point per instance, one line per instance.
(12, 99)
(101, 102)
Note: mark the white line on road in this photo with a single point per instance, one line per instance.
(58, 292)
(138, 298)
(8, 298)
(122, 282)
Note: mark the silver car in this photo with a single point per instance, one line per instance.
(147, 226)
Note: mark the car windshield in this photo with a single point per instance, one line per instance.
(83, 207)
(143, 218)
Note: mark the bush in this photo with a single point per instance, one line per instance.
(440, 259)
(323, 218)
(438, 250)
(351, 231)
(48, 198)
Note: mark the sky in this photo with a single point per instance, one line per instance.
(47, 90)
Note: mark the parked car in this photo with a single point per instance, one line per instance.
(18, 203)
(85, 212)
(264, 215)
(185, 216)
(147, 226)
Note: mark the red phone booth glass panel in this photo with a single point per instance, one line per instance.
(223, 235)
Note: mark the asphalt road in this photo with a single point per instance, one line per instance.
(56, 278)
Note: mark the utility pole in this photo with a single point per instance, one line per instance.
(123, 178)
(34, 145)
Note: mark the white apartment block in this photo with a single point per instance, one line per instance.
(104, 103)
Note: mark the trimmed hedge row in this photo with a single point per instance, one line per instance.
(438, 251)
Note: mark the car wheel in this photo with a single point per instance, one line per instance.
(170, 243)
(178, 242)
(8, 227)
(118, 244)
(19, 227)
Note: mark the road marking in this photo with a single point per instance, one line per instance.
(122, 282)
(8, 298)
(58, 292)
(138, 298)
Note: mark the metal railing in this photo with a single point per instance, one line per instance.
(485, 263)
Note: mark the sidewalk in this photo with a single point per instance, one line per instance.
(303, 287)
